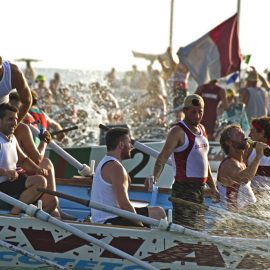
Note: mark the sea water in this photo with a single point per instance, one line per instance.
(91, 114)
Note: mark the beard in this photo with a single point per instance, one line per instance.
(125, 154)
(241, 145)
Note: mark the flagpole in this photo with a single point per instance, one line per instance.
(171, 23)
(238, 33)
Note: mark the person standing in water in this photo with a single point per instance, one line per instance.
(188, 146)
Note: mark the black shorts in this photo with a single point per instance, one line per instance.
(126, 222)
(14, 188)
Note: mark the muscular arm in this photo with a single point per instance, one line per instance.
(175, 138)
(233, 171)
(19, 82)
(25, 140)
(115, 174)
(28, 164)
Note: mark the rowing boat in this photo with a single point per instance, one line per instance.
(163, 246)
(167, 246)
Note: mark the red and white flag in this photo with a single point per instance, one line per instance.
(214, 55)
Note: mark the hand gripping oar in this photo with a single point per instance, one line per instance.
(255, 246)
(142, 147)
(33, 211)
(31, 255)
(83, 169)
(220, 211)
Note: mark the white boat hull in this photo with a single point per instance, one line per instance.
(165, 250)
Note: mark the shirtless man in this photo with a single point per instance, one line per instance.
(11, 77)
(188, 145)
(234, 177)
(111, 181)
(12, 182)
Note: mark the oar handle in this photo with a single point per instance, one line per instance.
(101, 126)
(83, 169)
(64, 196)
(64, 130)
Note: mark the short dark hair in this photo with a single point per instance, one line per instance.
(114, 136)
(225, 136)
(6, 107)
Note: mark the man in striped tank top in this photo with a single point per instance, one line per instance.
(188, 146)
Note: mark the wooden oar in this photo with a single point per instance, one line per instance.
(64, 130)
(31, 255)
(142, 147)
(33, 211)
(220, 211)
(245, 244)
(83, 169)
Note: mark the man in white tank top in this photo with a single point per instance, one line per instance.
(11, 77)
(11, 181)
(234, 177)
(187, 143)
(111, 182)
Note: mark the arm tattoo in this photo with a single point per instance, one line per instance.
(159, 165)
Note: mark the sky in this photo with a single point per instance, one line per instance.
(101, 34)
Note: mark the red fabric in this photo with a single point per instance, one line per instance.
(211, 94)
(214, 55)
(29, 119)
(181, 160)
(43, 123)
(226, 39)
